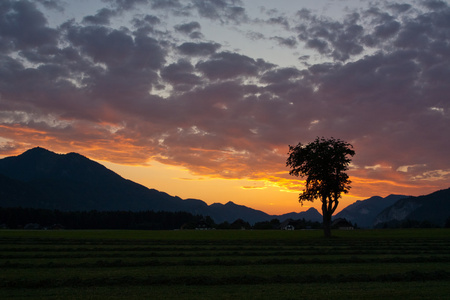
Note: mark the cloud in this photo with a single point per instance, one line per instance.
(198, 49)
(101, 17)
(223, 10)
(289, 42)
(181, 74)
(145, 93)
(23, 26)
(227, 65)
(127, 4)
(57, 5)
(188, 28)
(340, 40)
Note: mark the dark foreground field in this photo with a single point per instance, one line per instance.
(360, 264)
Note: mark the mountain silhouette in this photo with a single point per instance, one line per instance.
(310, 215)
(74, 182)
(364, 212)
(433, 208)
(39, 178)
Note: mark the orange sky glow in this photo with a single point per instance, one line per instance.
(274, 192)
(201, 99)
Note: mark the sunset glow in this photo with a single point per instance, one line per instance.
(201, 99)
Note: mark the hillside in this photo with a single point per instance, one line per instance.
(433, 208)
(364, 212)
(39, 178)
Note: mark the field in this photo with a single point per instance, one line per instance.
(359, 264)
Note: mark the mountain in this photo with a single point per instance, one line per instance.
(310, 215)
(74, 182)
(39, 178)
(433, 208)
(364, 212)
(230, 210)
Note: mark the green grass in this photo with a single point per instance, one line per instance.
(370, 264)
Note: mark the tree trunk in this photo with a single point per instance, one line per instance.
(326, 224)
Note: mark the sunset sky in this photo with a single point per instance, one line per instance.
(200, 99)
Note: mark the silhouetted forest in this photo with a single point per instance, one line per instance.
(54, 219)
(411, 224)
(32, 218)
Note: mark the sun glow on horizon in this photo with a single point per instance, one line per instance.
(274, 196)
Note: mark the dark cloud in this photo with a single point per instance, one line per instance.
(166, 4)
(435, 4)
(127, 4)
(255, 35)
(102, 44)
(280, 20)
(23, 26)
(181, 74)
(387, 30)
(329, 37)
(227, 65)
(196, 35)
(188, 28)
(198, 49)
(52, 4)
(281, 75)
(101, 17)
(399, 8)
(221, 10)
(146, 25)
(289, 42)
(147, 20)
(381, 83)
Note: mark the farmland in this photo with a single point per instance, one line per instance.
(228, 264)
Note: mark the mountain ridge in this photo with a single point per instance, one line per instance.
(39, 178)
(74, 182)
(433, 208)
(363, 212)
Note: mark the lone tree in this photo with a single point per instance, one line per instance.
(323, 163)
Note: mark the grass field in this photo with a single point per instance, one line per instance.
(359, 264)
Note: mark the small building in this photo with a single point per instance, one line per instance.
(202, 225)
(289, 227)
(288, 224)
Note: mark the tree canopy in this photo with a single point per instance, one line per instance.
(323, 162)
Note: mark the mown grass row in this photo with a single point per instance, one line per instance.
(205, 280)
(53, 265)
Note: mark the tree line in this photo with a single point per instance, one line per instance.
(16, 218)
(34, 218)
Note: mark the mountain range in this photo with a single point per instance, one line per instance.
(364, 212)
(39, 178)
(433, 208)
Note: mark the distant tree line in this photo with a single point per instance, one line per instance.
(408, 223)
(14, 218)
(32, 218)
(297, 224)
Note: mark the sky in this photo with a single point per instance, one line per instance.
(201, 99)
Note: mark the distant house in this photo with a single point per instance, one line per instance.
(289, 227)
(288, 224)
(342, 224)
(202, 225)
